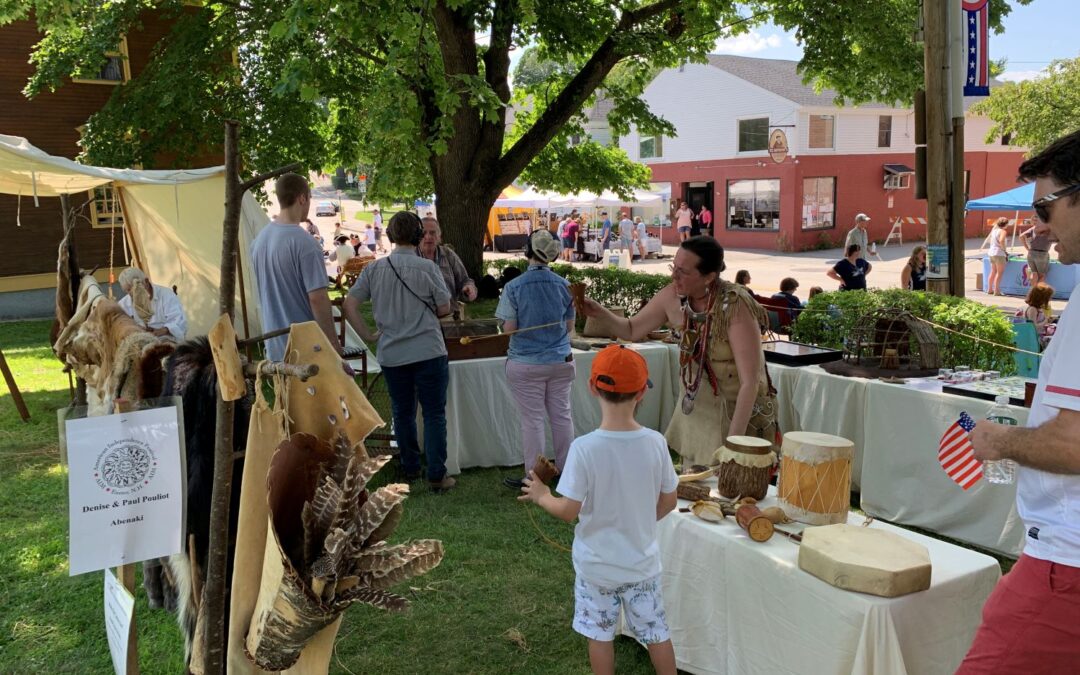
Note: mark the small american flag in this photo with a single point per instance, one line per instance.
(956, 454)
(976, 15)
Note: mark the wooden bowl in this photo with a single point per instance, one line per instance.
(661, 334)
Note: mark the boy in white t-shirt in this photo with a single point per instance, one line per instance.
(618, 481)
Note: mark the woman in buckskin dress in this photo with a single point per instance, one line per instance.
(725, 390)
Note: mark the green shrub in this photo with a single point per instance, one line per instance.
(832, 316)
(609, 286)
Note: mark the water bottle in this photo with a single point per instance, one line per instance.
(1001, 471)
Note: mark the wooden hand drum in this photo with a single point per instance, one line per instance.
(815, 477)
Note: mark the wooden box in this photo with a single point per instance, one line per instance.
(478, 349)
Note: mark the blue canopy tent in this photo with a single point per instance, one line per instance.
(1016, 199)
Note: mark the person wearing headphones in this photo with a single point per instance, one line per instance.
(539, 367)
(408, 295)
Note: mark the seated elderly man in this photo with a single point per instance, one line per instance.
(155, 308)
(453, 271)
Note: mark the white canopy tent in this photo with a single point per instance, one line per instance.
(173, 220)
(530, 198)
(586, 199)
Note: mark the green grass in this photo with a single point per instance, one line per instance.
(501, 601)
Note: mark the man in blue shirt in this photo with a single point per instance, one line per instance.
(539, 367)
(289, 269)
(605, 237)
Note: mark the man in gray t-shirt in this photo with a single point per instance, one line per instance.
(289, 270)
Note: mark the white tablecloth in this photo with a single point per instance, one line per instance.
(903, 482)
(812, 400)
(482, 427)
(896, 431)
(741, 607)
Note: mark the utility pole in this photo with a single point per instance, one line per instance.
(958, 191)
(944, 57)
(938, 139)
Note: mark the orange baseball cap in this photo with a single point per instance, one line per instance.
(619, 370)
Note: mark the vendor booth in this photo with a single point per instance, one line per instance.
(518, 212)
(1015, 280)
(171, 221)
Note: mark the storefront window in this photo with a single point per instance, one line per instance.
(754, 204)
(819, 203)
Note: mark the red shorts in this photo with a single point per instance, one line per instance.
(1031, 622)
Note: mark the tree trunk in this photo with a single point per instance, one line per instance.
(463, 217)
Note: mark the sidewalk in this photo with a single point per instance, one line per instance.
(768, 268)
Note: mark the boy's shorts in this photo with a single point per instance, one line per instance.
(596, 610)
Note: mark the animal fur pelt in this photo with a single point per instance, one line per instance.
(190, 374)
(112, 353)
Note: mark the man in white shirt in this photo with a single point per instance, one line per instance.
(1030, 622)
(857, 235)
(155, 308)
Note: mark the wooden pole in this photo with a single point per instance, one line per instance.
(959, 197)
(125, 574)
(958, 57)
(68, 220)
(938, 151)
(16, 396)
(213, 604)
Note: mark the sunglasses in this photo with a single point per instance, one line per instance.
(1042, 204)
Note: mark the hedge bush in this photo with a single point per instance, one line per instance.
(831, 316)
(609, 286)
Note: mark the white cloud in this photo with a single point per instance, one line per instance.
(1020, 75)
(747, 43)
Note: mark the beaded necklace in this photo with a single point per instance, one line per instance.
(694, 349)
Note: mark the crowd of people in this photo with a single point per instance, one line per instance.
(618, 481)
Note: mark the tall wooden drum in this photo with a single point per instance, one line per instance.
(815, 477)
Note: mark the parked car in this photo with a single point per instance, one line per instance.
(326, 209)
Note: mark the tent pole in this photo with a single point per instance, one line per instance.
(67, 217)
(243, 292)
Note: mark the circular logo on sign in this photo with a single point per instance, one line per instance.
(125, 467)
(778, 147)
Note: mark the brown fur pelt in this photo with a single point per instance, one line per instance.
(190, 374)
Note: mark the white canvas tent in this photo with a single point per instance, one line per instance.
(173, 220)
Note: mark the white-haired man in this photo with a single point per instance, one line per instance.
(155, 308)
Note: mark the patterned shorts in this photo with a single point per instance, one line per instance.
(596, 610)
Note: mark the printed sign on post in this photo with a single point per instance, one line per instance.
(125, 488)
(937, 261)
(119, 610)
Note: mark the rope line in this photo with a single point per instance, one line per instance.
(548, 540)
(1012, 348)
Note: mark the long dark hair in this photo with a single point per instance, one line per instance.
(709, 252)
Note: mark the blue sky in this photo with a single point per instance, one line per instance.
(1034, 35)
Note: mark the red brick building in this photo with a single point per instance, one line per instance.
(51, 121)
(840, 161)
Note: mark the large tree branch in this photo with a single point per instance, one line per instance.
(497, 57)
(570, 100)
